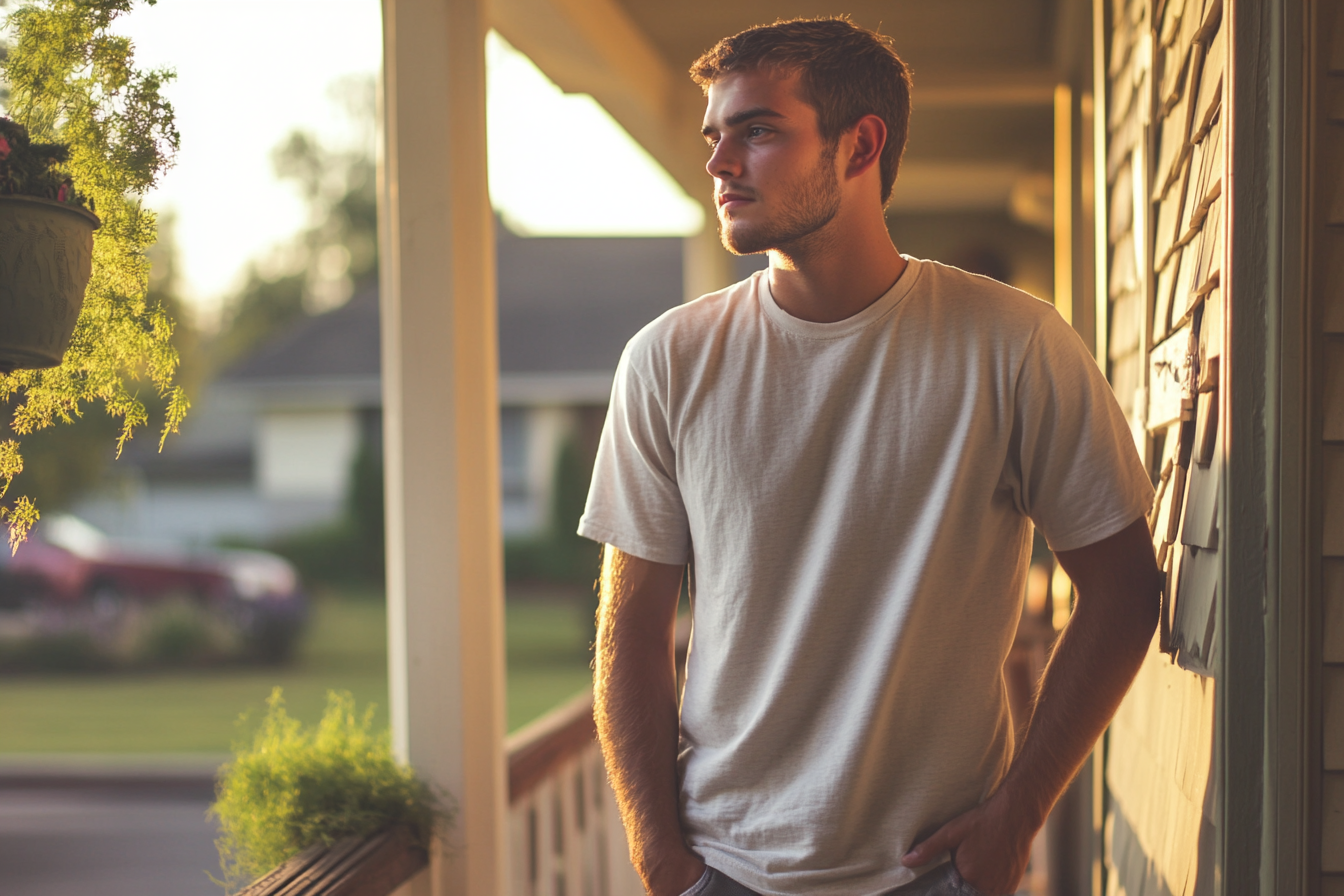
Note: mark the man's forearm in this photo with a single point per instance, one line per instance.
(1087, 677)
(1091, 668)
(1093, 664)
(635, 705)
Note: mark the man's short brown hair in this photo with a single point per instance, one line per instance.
(846, 71)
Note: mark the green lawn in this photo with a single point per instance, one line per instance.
(345, 648)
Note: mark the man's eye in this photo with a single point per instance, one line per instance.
(756, 131)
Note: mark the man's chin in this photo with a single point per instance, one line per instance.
(741, 241)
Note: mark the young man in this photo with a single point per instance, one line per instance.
(853, 446)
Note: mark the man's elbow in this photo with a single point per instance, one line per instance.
(1119, 581)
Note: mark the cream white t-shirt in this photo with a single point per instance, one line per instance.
(858, 499)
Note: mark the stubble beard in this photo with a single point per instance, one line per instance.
(813, 205)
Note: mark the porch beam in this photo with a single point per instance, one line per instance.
(1007, 88)
(440, 430)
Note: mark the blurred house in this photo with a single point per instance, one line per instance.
(269, 446)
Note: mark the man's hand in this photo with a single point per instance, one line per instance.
(679, 872)
(635, 707)
(1094, 661)
(990, 846)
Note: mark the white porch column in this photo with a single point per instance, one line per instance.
(444, 570)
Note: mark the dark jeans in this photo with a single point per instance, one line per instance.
(941, 881)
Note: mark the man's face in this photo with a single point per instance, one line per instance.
(775, 179)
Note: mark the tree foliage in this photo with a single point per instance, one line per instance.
(335, 254)
(72, 81)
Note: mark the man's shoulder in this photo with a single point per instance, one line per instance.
(985, 295)
(984, 310)
(692, 322)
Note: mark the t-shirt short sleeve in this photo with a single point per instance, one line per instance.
(634, 503)
(1072, 463)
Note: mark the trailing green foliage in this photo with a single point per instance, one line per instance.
(61, 463)
(73, 82)
(296, 787)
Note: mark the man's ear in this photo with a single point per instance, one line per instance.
(867, 137)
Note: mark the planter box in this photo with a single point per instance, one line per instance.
(355, 866)
(46, 257)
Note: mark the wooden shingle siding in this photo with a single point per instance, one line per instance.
(1186, 319)
(1330, 288)
(1325, 192)
(1333, 391)
(1332, 592)
(1332, 822)
(1161, 771)
(1332, 693)
(1165, 162)
(1332, 491)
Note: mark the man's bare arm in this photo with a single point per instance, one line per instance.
(1092, 666)
(635, 704)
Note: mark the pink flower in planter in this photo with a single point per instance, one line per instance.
(4, 148)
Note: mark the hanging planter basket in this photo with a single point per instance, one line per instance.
(46, 257)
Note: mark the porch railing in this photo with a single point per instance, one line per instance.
(565, 834)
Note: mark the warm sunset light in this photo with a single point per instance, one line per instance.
(561, 165)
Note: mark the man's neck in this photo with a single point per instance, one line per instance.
(835, 273)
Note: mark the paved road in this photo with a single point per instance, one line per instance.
(73, 841)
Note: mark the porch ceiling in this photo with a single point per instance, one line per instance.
(984, 73)
(940, 37)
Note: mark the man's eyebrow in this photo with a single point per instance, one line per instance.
(746, 114)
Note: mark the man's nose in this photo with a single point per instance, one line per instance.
(723, 162)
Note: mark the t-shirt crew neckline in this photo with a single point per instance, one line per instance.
(840, 328)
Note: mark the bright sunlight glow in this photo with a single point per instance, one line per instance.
(560, 165)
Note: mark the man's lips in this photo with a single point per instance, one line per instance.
(728, 201)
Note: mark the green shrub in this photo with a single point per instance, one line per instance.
(349, 550)
(326, 554)
(72, 651)
(178, 633)
(295, 787)
(559, 554)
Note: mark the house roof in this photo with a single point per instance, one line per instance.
(343, 343)
(567, 306)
